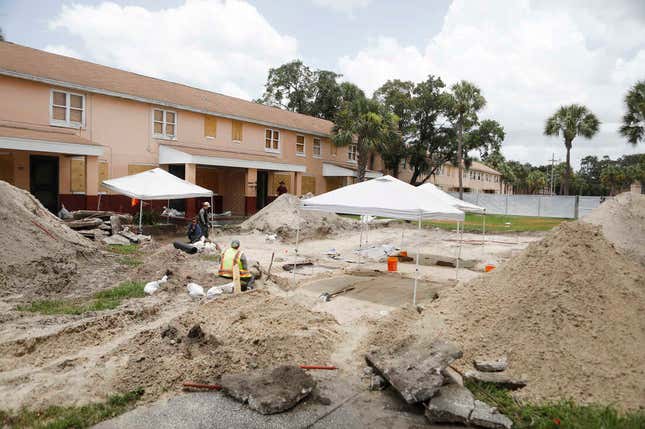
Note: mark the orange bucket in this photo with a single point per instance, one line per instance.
(392, 263)
(489, 268)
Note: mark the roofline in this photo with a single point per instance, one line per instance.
(26, 76)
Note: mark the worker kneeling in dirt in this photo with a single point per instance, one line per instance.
(231, 256)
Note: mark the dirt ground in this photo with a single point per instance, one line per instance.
(144, 342)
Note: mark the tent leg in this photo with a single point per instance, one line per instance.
(140, 215)
(402, 233)
(484, 230)
(210, 221)
(416, 273)
(168, 211)
(295, 256)
(461, 235)
(98, 205)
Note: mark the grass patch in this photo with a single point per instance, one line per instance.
(130, 261)
(56, 417)
(127, 249)
(104, 300)
(500, 223)
(560, 414)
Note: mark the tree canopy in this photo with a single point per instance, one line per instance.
(633, 127)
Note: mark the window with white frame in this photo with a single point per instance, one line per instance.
(67, 109)
(317, 148)
(300, 145)
(164, 123)
(272, 140)
(351, 152)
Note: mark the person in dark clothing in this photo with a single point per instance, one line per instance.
(194, 231)
(282, 189)
(203, 218)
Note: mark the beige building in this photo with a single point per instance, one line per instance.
(67, 124)
(477, 178)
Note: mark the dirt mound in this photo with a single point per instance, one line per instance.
(229, 335)
(284, 214)
(569, 312)
(39, 251)
(623, 223)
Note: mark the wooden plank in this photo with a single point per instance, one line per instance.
(77, 175)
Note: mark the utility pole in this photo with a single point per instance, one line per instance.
(551, 184)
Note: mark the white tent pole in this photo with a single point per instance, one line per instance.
(484, 230)
(416, 274)
(360, 243)
(168, 211)
(98, 204)
(461, 236)
(295, 255)
(458, 255)
(210, 221)
(367, 231)
(140, 215)
(402, 232)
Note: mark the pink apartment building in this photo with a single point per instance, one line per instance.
(67, 124)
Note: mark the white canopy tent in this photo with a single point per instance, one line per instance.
(155, 184)
(437, 194)
(384, 196)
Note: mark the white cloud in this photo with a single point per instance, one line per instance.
(225, 46)
(343, 6)
(528, 60)
(62, 50)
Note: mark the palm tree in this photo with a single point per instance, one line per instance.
(634, 120)
(466, 102)
(364, 123)
(571, 121)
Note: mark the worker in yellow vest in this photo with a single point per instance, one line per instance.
(231, 256)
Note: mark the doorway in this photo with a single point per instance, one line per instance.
(262, 190)
(178, 170)
(43, 180)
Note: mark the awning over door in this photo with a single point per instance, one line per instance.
(47, 141)
(335, 170)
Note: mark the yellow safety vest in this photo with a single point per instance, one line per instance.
(230, 257)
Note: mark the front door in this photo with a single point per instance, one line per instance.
(43, 180)
(178, 170)
(262, 190)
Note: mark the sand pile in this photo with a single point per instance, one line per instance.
(38, 251)
(623, 223)
(235, 334)
(284, 214)
(569, 312)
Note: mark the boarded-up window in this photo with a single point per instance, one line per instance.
(77, 175)
(207, 178)
(237, 131)
(104, 174)
(275, 182)
(138, 168)
(334, 183)
(6, 167)
(308, 184)
(210, 126)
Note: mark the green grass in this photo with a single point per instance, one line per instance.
(130, 261)
(71, 417)
(500, 223)
(560, 414)
(103, 300)
(127, 249)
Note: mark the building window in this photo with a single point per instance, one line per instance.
(67, 109)
(237, 131)
(210, 126)
(164, 124)
(300, 145)
(351, 152)
(272, 140)
(317, 148)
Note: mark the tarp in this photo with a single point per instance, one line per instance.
(436, 194)
(155, 184)
(384, 196)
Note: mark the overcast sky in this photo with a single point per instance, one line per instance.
(528, 57)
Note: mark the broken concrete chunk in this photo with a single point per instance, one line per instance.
(491, 365)
(377, 383)
(269, 391)
(452, 377)
(115, 223)
(90, 223)
(498, 378)
(116, 240)
(416, 370)
(452, 404)
(456, 404)
(488, 417)
(130, 236)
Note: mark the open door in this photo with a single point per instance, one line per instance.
(262, 190)
(43, 180)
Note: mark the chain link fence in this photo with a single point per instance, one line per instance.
(573, 206)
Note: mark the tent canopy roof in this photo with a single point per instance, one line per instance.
(437, 194)
(155, 184)
(383, 196)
